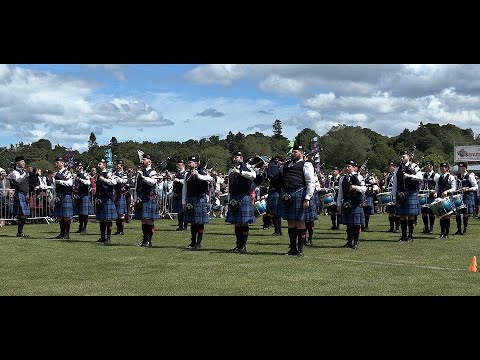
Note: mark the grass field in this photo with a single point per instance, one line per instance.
(381, 266)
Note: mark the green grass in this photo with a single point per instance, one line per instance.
(41, 265)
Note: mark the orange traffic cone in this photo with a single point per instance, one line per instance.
(473, 265)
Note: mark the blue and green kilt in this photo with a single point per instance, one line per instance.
(244, 214)
(83, 206)
(106, 212)
(65, 208)
(410, 206)
(356, 216)
(469, 202)
(274, 206)
(312, 212)
(295, 210)
(199, 214)
(121, 204)
(149, 210)
(368, 208)
(177, 203)
(20, 204)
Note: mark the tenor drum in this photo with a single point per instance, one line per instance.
(458, 202)
(424, 200)
(442, 207)
(260, 208)
(385, 199)
(327, 200)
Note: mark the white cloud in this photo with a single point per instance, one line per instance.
(282, 85)
(215, 74)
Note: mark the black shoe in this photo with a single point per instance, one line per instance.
(410, 239)
(390, 230)
(198, 246)
(355, 247)
(192, 245)
(366, 229)
(147, 244)
(100, 241)
(425, 231)
(141, 243)
(300, 253)
(108, 241)
(242, 250)
(118, 233)
(430, 231)
(441, 236)
(402, 238)
(333, 228)
(59, 236)
(458, 232)
(291, 252)
(66, 237)
(235, 249)
(309, 242)
(78, 231)
(179, 229)
(464, 232)
(347, 245)
(277, 234)
(20, 235)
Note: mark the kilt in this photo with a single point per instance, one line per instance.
(106, 212)
(149, 211)
(295, 211)
(410, 206)
(274, 206)
(244, 214)
(356, 216)
(121, 204)
(177, 203)
(368, 208)
(332, 209)
(469, 202)
(65, 209)
(20, 204)
(312, 212)
(82, 206)
(199, 214)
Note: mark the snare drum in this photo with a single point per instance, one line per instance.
(385, 199)
(260, 208)
(458, 202)
(327, 200)
(424, 200)
(442, 207)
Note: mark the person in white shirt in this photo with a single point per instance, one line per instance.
(468, 186)
(446, 185)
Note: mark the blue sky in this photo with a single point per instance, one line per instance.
(64, 103)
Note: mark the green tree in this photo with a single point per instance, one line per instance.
(277, 128)
(92, 141)
(42, 144)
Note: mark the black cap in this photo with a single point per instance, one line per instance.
(19, 158)
(147, 156)
(429, 162)
(193, 158)
(335, 168)
(103, 160)
(59, 158)
(462, 164)
(444, 164)
(237, 153)
(391, 163)
(79, 163)
(404, 152)
(120, 162)
(180, 161)
(350, 162)
(298, 147)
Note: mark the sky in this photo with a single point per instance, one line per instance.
(64, 103)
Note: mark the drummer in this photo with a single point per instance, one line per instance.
(430, 179)
(446, 185)
(468, 185)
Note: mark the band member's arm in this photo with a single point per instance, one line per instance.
(473, 182)
(394, 185)
(418, 176)
(150, 180)
(362, 187)
(68, 179)
(121, 179)
(248, 173)
(110, 179)
(340, 192)
(204, 177)
(309, 174)
(453, 184)
(84, 181)
(181, 181)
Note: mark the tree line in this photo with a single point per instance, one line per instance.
(431, 141)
